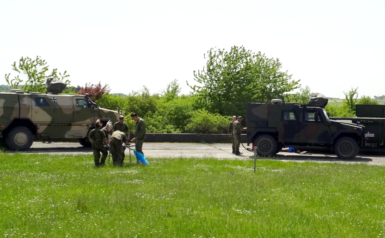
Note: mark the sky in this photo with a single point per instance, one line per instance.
(331, 46)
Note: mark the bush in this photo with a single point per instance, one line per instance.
(203, 122)
(112, 102)
(367, 101)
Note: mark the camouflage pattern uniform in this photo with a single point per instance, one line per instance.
(107, 133)
(123, 127)
(237, 129)
(231, 132)
(116, 148)
(97, 137)
(140, 135)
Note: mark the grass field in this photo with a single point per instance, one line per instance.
(65, 196)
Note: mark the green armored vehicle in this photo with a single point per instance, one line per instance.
(25, 117)
(271, 126)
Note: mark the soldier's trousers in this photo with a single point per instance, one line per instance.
(116, 149)
(96, 151)
(139, 145)
(236, 143)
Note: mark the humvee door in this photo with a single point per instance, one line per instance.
(289, 131)
(315, 127)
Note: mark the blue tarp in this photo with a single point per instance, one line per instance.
(140, 157)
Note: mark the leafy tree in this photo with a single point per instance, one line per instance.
(172, 91)
(232, 79)
(351, 99)
(367, 101)
(95, 91)
(302, 97)
(35, 72)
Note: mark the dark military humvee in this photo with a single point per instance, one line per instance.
(373, 118)
(271, 126)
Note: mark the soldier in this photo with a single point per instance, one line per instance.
(123, 127)
(237, 129)
(116, 147)
(231, 131)
(107, 130)
(140, 132)
(97, 139)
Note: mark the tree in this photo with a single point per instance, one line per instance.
(351, 99)
(367, 101)
(232, 79)
(95, 91)
(172, 91)
(36, 72)
(302, 97)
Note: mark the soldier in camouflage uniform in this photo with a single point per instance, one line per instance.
(231, 131)
(140, 133)
(107, 130)
(97, 139)
(116, 141)
(123, 127)
(237, 129)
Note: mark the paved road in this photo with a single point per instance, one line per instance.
(192, 150)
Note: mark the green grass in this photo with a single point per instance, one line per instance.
(65, 196)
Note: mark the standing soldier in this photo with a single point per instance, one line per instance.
(140, 133)
(116, 147)
(97, 139)
(237, 129)
(123, 127)
(231, 131)
(107, 130)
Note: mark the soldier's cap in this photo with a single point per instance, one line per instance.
(240, 117)
(121, 116)
(134, 114)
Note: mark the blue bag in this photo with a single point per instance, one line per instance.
(291, 149)
(140, 157)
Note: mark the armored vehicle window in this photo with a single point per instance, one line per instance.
(81, 103)
(312, 116)
(41, 102)
(288, 116)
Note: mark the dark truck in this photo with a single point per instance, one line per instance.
(373, 118)
(272, 126)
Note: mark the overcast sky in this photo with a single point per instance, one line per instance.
(331, 46)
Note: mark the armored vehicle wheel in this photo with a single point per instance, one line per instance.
(85, 142)
(266, 145)
(19, 138)
(346, 148)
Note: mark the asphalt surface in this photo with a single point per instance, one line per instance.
(193, 150)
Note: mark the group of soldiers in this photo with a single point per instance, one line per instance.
(116, 137)
(235, 130)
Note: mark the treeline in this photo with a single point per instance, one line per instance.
(168, 112)
(224, 86)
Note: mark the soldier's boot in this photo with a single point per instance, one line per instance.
(237, 153)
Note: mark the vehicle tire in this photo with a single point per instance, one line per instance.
(85, 142)
(346, 148)
(19, 138)
(266, 145)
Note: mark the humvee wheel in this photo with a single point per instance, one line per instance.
(19, 138)
(266, 145)
(346, 148)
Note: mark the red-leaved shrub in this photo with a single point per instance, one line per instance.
(95, 91)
